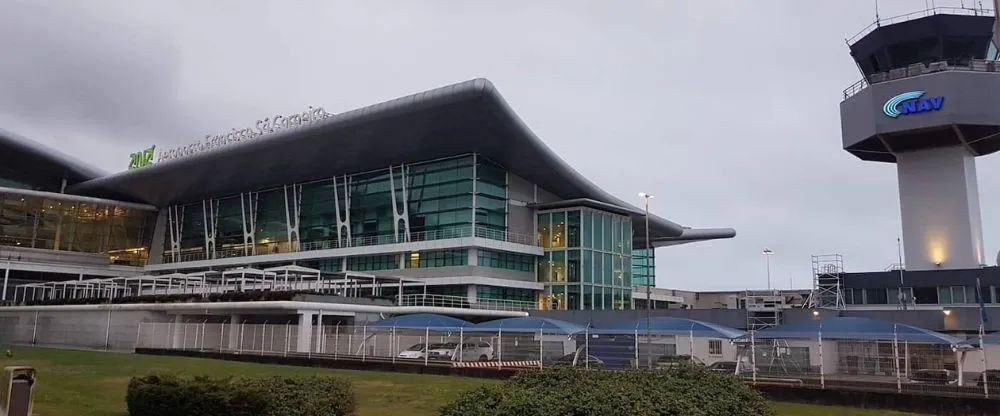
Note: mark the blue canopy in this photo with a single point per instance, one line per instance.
(671, 326)
(527, 324)
(422, 320)
(856, 329)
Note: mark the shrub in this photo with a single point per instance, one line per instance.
(567, 391)
(159, 395)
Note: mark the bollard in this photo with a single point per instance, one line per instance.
(15, 398)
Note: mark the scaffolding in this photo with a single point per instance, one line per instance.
(763, 308)
(828, 274)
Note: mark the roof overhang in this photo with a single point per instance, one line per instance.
(27, 160)
(469, 117)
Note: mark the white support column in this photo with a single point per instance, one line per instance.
(175, 224)
(248, 210)
(175, 339)
(293, 209)
(343, 221)
(304, 340)
(400, 215)
(210, 214)
(234, 331)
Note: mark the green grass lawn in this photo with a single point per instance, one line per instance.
(86, 383)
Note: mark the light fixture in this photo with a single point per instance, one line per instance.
(645, 195)
(947, 312)
(815, 313)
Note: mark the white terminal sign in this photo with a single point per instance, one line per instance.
(265, 126)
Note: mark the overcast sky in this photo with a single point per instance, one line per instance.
(726, 111)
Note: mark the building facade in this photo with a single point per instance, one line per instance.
(445, 192)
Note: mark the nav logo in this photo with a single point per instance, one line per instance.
(911, 102)
(141, 158)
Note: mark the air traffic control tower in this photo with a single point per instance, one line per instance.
(929, 101)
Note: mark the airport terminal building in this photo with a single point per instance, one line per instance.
(446, 193)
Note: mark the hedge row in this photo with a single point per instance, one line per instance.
(164, 395)
(568, 391)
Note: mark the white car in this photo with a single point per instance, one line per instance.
(468, 351)
(416, 351)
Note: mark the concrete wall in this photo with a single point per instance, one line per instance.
(520, 218)
(75, 329)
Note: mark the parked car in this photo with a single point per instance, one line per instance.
(468, 351)
(578, 359)
(729, 367)
(417, 351)
(934, 376)
(671, 361)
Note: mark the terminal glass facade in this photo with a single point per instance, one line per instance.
(30, 221)
(448, 198)
(644, 267)
(587, 261)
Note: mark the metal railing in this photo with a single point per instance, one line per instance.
(975, 65)
(463, 302)
(889, 362)
(377, 240)
(962, 11)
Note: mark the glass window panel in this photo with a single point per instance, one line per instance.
(958, 295)
(573, 265)
(558, 229)
(545, 230)
(588, 297)
(558, 266)
(606, 218)
(944, 295)
(607, 274)
(587, 268)
(588, 229)
(573, 228)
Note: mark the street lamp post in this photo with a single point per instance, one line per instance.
(650, 280)
(767, 261)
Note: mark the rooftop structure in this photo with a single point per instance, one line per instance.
(445, 192)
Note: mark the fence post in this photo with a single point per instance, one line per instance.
(895, 359)
(270, 346)
(201, 347)
(427, 344)
(461, 344)
(753, 355)
(107, 333)
(586, 347)
(392, 351)
(222, 336)
(184, 336)
(239, 345)
(541, 348)
(500, 344)
(138, 333)
(34, 330)
(364, 342)
(636, 334)
(822, 372)
(288, 336)
(336, 341)
(263, 335)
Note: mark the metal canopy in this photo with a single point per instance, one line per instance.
(469, 117)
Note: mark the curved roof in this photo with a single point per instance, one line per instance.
(468, 117)
(422, 320)
(862, 329)
(527, 324)
(671, 326)
(38, 166)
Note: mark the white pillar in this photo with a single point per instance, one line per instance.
(175, 340)
(234, 331)
(305, 332)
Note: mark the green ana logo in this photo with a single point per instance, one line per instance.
(141, 158)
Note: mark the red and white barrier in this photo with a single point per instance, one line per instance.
(498, 364)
